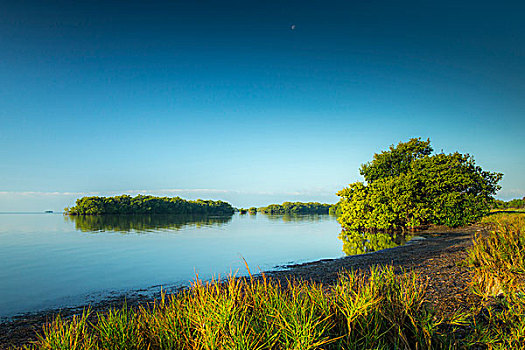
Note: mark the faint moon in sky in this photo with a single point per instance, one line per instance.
(292, 27)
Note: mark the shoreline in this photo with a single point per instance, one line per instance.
(436, 258)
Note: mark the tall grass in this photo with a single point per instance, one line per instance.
(72, 334)
(497, 259)
(497, 262)
(379, 310)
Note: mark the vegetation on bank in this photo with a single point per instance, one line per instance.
(252, 210)
(512, 204)
(290, 208)
(141, 204)
(378, 310)
(497, 264)
(296, 208)
(498, 259)
(408, 187)
(335, 209)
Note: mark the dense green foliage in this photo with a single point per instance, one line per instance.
(408, 187)
(143, 222)
(512, 204)
(140, 204)
(252, 210)
(296, 208)
(396, 160)
(335, 209)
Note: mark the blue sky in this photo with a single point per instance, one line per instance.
(223, 100)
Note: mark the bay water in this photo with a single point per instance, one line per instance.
(50, 261)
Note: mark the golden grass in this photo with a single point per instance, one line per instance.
(497, 259)
(375, 310)
(497, 262)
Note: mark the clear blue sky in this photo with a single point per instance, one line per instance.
(224, 100)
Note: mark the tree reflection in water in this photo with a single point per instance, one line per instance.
(298, 217)
(142, 223)
(357, 242)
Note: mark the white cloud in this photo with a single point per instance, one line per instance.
(106, 193)
(38, 193)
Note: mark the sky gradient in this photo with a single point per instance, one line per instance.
(224, 100)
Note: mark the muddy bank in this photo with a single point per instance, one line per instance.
(437, 257)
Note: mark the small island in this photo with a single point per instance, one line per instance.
(141, 204)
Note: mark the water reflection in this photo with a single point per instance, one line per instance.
(298, 217)
(143, 223)
(355, 242)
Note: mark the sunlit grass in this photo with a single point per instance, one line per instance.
(497, 262)
(375, 310)
(71, 334)
(504, 211)
(497, 259)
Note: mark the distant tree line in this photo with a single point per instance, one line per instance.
(512, 204)
(252, 210)
(296, 208)
(125, 204)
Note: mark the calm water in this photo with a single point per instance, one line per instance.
(49, 261)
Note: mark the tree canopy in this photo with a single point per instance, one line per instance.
(140, 204)
(406, 187)
(396, 160)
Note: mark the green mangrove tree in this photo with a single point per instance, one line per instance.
(406, 186)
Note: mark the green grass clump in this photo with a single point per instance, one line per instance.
(497, 259)
(379, 310)
(119, 329)
(383, 311)
(497, 262)
(500, 325)
(73, 334)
